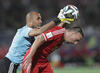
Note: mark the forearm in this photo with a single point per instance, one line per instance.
(38, 42)
(47, 26)
(50, 25)
(44, 28)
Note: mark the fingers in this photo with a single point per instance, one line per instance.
(27, 60)
(26, 63)
(29, 68)
(66, 22)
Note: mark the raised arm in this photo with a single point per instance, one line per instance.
(62, 17)
(47, 26)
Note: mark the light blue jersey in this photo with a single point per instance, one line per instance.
(20, 44)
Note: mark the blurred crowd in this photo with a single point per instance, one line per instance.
(12, 17)
(12, 12)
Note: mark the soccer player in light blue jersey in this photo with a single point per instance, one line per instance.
(23, 40)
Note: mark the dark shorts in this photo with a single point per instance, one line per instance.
(6, 66)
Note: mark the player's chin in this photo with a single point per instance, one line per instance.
(39, 25)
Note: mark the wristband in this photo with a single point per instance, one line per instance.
(57, 21)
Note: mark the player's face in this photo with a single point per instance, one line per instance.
(37, 20)
(72, 37)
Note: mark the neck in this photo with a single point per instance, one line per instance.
(29, 25)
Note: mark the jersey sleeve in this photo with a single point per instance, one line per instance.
(53, 33)
(26, 32)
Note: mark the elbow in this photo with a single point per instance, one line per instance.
(40, 32)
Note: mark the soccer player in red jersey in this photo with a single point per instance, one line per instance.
(35, 59)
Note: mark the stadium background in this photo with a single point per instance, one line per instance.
(84, 57)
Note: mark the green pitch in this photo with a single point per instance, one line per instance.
(76, 70)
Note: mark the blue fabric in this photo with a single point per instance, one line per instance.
(20, 45)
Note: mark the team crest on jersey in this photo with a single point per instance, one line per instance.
(49, 35)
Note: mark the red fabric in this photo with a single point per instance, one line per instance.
(40, 63)
(55, 32)
(42, 68)
(23, 70)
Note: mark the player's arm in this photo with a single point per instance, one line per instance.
(61, 18)
(47, 26)
(38, 42)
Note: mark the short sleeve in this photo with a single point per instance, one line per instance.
(26, 32)
(53, 34)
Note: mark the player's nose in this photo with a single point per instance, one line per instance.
(40, 21)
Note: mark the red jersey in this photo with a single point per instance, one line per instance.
(53, 38)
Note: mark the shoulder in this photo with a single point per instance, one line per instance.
(24, 29)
